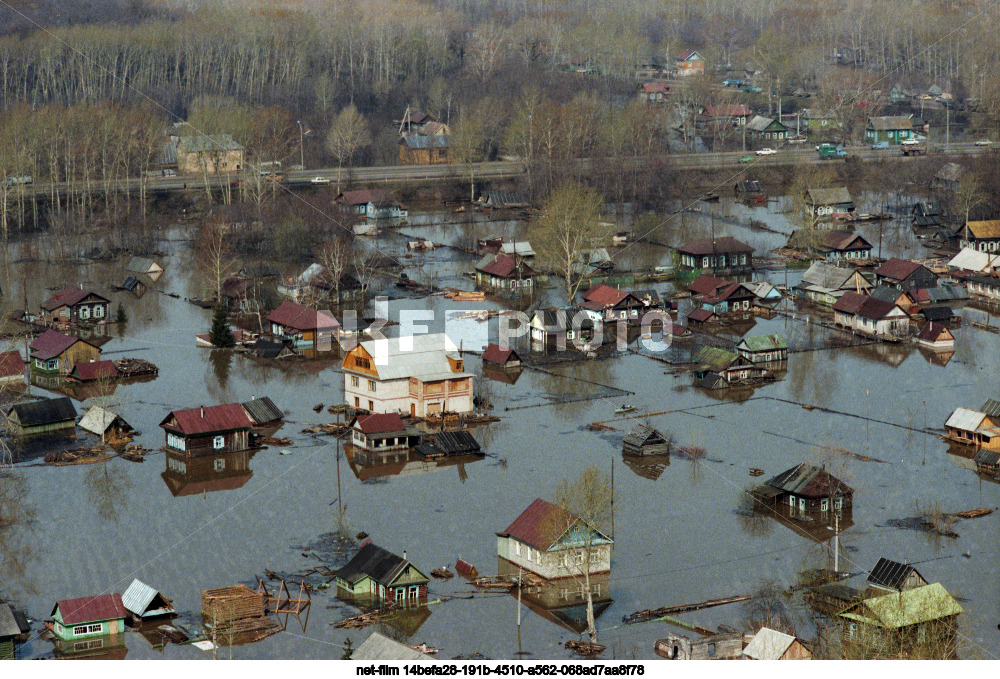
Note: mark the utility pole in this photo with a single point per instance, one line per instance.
(520, 651)
(612, 499)
(302, 153)
(947, 125)
(836, 543)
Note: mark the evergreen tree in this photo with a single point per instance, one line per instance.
(219, 335)
(120, 314)
(348, 649)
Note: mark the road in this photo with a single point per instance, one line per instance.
(788, 155)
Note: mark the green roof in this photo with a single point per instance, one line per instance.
(903, 609)
(715, 359)
(209, 142)
(765, 342)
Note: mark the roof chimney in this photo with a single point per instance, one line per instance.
(404, 555)
(203, 411)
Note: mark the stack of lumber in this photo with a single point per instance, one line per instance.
(235, 610)
(463, 296)
(135, 367)
(585, 648)
(78, 456)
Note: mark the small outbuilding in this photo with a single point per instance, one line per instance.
(105, 424)
(380, 647)
(144, 603)
(936, 336)
(769, 644)
(41, 417)
(447, 444)
(501, 357)
(644, 440)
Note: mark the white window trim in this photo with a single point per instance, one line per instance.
(219, 442)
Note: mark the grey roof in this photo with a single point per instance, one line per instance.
(884, 293)
(422, 356)
(522, 248)
(965, 419)
(168, 153)
(374, 562)
(937, 313)
(506, 198)
(208, 143)
(828, 196)
(642, 435)
(768, 644)
(947, 293)
(760, 123)
(890, 123)
(380, 647)
(830, 276)
(950, 172)
(98, 419)
(988, 457)
(141, 265)
(8, 624)
(427, 141)
(262, 410)
(809, 480)
(448, 443)
(46, 411)
(138, 597)
(991, 407)
(890, 574)
(749, 186)
(268, 349)
(130, 283)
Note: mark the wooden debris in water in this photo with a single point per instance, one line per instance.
(134, 453)
(463, 296)
(585, 648)
(358, 621)
(333, 429)
(237, 610)
(754, 471)
(318, 407)
(87, 455)
(424, 648)
(973, 513)
(653, 614)
(135, 367)
(599, 426)
(493, 583)
(274, 441)
(442, 573)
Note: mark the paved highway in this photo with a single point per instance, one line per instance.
(788, 154)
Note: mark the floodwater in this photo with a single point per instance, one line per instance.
(680, 534)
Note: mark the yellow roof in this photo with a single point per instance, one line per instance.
(989, 228)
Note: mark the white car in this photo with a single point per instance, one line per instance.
(910, 142)
(983, 142)
(319, 180)
(766, 152)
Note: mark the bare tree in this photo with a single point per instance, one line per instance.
(348, 134)
(215, 256)
(335, 256)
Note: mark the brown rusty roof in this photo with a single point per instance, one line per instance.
(708, 246)
(210, 420)
(51, 344)
(300, 317)
(850, 302)
(932, 332)
(897, 269)
(707, 285)
(380, 424)
(505, 266)
(604, 295)
(90, 609)
(809, 481)
(496, 354)
(541, 524)
(11, 363)
(68, 297)
(95, 370)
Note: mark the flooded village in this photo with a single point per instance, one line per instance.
(470, 340)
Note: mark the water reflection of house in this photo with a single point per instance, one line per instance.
(186, 476)
(370, 466)
(96, 648)
(647, 466)
(563, 601)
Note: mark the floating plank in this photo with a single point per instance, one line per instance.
(657, 613)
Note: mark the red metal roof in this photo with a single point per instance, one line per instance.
(361, 196)
(505, 266)
(708, 246)
(686, 54)
(850, 302)
(496, 354)
(604, 295)
(95, 370)
(842, 240)
(210, 420)
(11, 363)
(68, 297)
(380, 424)
(654, 88)
(51, 344)
(920, 295)
(730, 291)
(707, 285)
(300, 317)
(700, 315)
(541, 524)
(897, 269)
(932, 332)
(90, 609)
(875, 309)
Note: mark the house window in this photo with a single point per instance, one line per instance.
(175, 441)
(852, 631)
(414, 591)
(529, 554)
(802, 504)
(52, 364)
(517, 548)
(371, 405)
(98, 311)
(824, 505)
(77, 631)
(838, 503)
(357, 402)
(711, 650)
(219, 464)
(85, 312)
(355, 381)
(371, 385)
(400, 594)
(791, 500)
(362, 362)
(218, 442)
(93, 629)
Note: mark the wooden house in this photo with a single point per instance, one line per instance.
(763, 348)
(304, 327)
(41, 417)
(841, 245)
(724, 116)
(421, 375)
(718, 368)
(11, 367)
(356, 202)
(724, 255)
(207, 431)
(766, 129)
(94, 370)
(905, 275)
(815, 120)
(654, 92)
(824, 283)
(936, 336)
(916, 623)
(133, 285)
(144, 266)
(104, 423)
(975, 261)
(893, 129)
(88, 617)
(807, 489)
(892, 576)
(749, 191)
(53, 353)
(826, 204)
(983, 236)
(144, 603)
(875, 318)
(769, 644)
(974, 428)
(75, 305)
(727, 644)
(187, 476)
(501, 357)
(987, 462)
(689, 63)
(505, 273)
(764, 291)
(385, 207)
(553, 328)
(983, 287)
(263, 412)
(554, 543)
(605, 303)
(733, 299)
(14, 629)
(382, 576)
(382, 432)
(209, 154)
(422, 149)
(644, 440)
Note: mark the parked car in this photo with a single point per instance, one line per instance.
(983, 142)
(765, 152)
(797, 139)
(746, 159)
(732, 82)
(910, 142)
(319, 180)
(880, 145)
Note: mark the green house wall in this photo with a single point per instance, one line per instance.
(65, 632)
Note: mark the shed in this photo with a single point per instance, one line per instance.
(466, 569)
(144, 265)
(10, 630)
(133, 285)
(446, 444)
(39, 417)
(11, 367)
(644, 440)
(504, 357)
(381, 647)
(144, 602)
(769, 644)
(267, 349)
(263, 411)
(894, 576)
(101, 421)
(987, 462)
(94, 370)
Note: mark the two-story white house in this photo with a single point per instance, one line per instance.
(554, 543)
(420, 375)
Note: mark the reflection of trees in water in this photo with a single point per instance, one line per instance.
(18, 551)
(221, 363)
(753, 518)
(108, 487)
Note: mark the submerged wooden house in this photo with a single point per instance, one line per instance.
(104, 423)
(88, 617)
(770, 644)
(806, 488)
(41, 417)
(145, 603)
(727, 644)
(974, 428)
(381, 575)
(385, 431)
(644, 440)
(205, 431)
(892, 576)
(53, 353)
